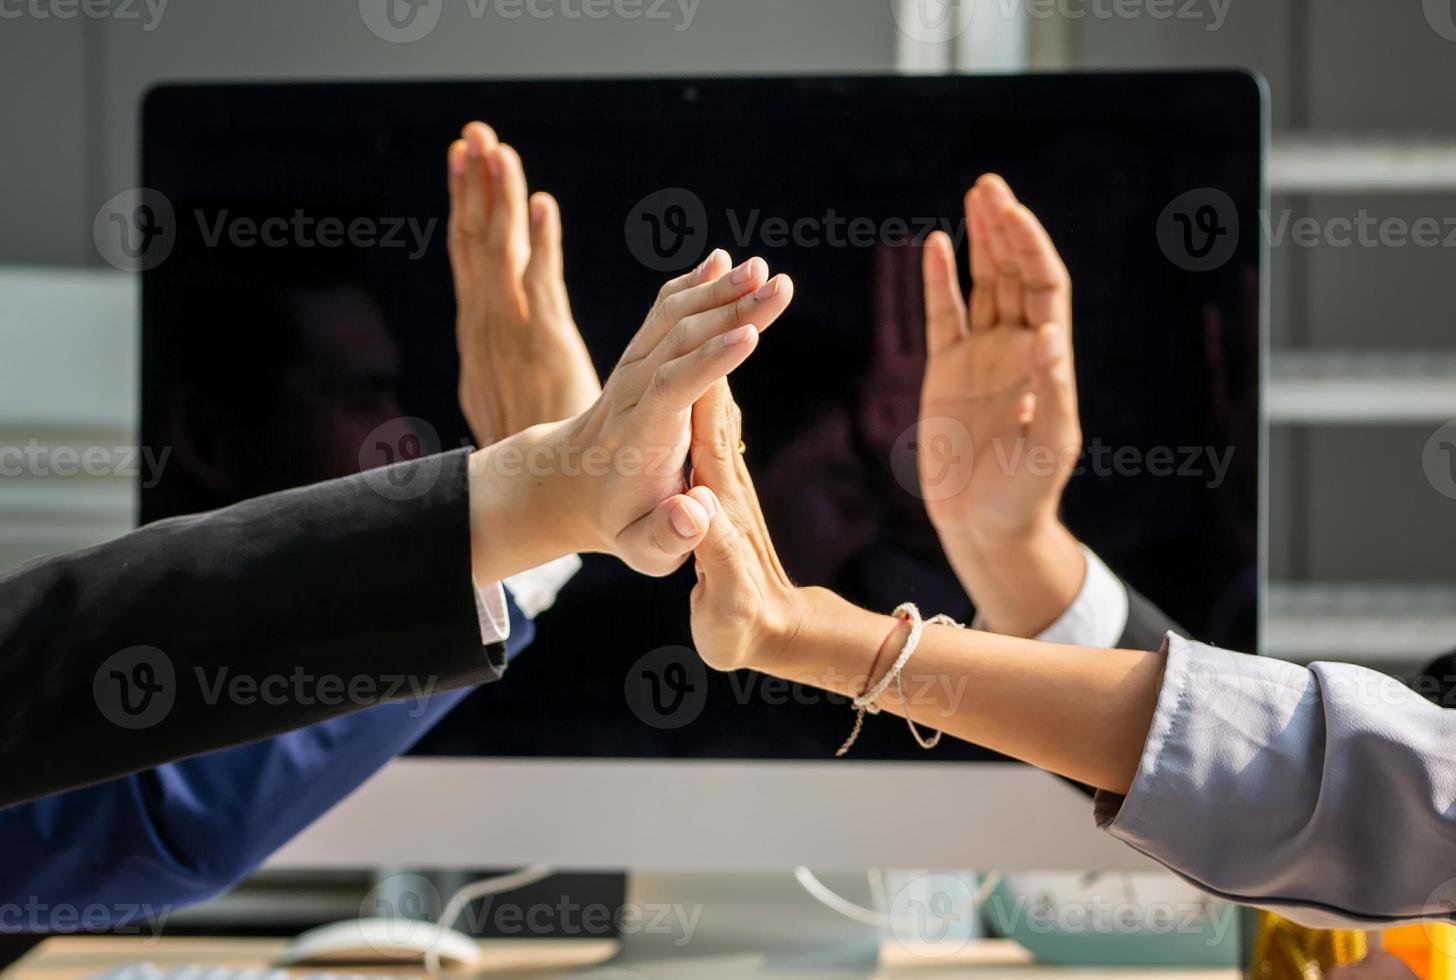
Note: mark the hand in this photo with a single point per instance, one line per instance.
(522, 360)
(611, 479)
(999, 433)
(1000, 373)
(744, 608)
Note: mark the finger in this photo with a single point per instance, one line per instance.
(945, 312)
(717, 434)
(720, 553)
(676, 385)
(1046, 287)
(457, 166)
(661, 540)
(508, 231)
(1054, 382)
(983, 266)
(709, 269)
(710, 294)
(480, 142)
(717, 427)
(761, 308)
(651, 331)
(1010, 307)
(544, 277)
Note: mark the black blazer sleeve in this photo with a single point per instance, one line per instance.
(1146, 624)
(203, 632)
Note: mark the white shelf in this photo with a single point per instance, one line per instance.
(1398, 628)
(1302, 164)
(1362, 387)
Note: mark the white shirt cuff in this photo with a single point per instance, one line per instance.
(1098, 616)
(495, 618)
(535, 590)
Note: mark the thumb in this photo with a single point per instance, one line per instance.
(1054, 381)
(660, 541)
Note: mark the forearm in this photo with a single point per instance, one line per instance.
(1056, 707)
(239, 625)
(1022, 582)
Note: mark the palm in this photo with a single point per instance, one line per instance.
(974, 442)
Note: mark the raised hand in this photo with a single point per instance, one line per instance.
(744, 601)
(522, 360)
(999, 434)
(611, 479)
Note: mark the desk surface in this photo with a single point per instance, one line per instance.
(78, 958)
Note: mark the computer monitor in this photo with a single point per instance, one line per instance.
(609, 745)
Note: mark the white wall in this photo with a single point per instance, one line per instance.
(72, 88)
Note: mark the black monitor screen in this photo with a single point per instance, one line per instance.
(313, 340)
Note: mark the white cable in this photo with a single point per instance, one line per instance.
(475, 891)
(879, 920)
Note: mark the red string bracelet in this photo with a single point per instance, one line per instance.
(859, 713)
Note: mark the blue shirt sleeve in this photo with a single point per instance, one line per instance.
(133, 850)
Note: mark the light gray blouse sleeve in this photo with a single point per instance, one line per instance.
(1326, 794)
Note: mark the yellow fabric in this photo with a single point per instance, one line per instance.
(1285, 951)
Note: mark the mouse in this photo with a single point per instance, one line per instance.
(392, 941)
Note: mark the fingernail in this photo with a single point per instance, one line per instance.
(769, 289)
(703, 266)
(743, 273)
(538, 212)
(740, 336)
(458, 156)
(683, 523)
(472, 149)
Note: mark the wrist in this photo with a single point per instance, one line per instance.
(791, 636)
(1021, 581)
(998, 539)
(526, 509)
